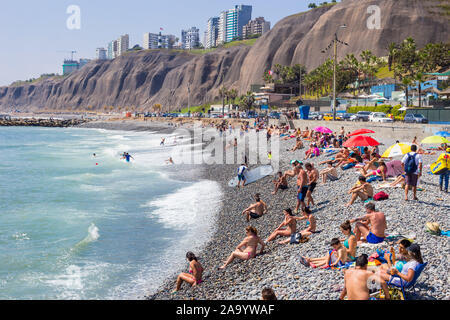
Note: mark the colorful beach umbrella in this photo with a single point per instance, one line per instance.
(435, 140)
(444, 134)
(323, 130)
(360, 141)
(360, 131)
(397, 149)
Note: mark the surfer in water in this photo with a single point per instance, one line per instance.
(127, 157)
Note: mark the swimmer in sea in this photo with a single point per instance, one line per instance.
(170, 161)
(127, 156)
(162, 141)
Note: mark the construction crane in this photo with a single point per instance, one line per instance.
(71, 52)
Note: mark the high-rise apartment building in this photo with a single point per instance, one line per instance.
(232, 22)
(118, 47)
(259, 26)
(190, 38)
(158, 41)
(236, 19)
(101, 54)
(211, 33)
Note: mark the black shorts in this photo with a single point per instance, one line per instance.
(312, 186)
(283, 187)
(254, 215)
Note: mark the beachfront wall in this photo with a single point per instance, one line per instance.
(433, 115)
(397, 130)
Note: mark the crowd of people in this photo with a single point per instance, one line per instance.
(370, 228)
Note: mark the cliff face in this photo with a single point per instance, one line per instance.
(149, 77)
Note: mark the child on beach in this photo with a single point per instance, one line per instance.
(336, 257)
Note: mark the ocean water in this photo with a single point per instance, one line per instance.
(75, 226)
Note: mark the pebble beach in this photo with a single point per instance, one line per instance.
(279, 266)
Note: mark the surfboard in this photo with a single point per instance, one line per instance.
(253, 175)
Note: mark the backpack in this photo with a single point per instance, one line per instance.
(381, 196)
(410, 164)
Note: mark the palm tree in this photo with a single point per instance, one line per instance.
(420, 78)
(406, 82)
(247, 101)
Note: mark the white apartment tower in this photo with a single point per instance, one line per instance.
(212, 33)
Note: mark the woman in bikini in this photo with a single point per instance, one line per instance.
(334, 258)
(194, 277)
(380, 171)
(247, 248)
(350, 241)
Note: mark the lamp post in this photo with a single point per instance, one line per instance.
(334, 44)
(189, 99)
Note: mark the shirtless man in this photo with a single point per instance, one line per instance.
(298, 145)
(364, 191)
(302, 188)
(295, 169)
(329, 173)
(356, 281)
(247, 248)
(377, 221)
(280, 183)
(256, 210)
(286, 228)
(313, 176)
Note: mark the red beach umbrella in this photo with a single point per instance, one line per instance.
(360, 141)
(360, 131)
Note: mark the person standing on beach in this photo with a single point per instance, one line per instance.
(302, 188)
(256, 210)
(241, 175)
(356, 280)
(162, 141)
(377, 221)
(247, 248)
(412, 166)
(313, 176)
(444, 177)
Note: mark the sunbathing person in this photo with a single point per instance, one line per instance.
(414, 257)
(380, 172)
(329, 173)
(298, 145)
(372, 226)
(362, 189)
(401, 179)
(256, 210)
(247, 248)
(286, 228)
(280, 183)
(336, 257)
(310, 223)
(350, 242)
(194, 277)
(371, 165)
(356, 281)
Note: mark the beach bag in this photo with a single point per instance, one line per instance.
(410, 164)
(381, 196)
(439, 167)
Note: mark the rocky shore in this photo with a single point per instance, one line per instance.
(279, 266)
(25, 122)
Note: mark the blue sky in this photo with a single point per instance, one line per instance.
(33, 31)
